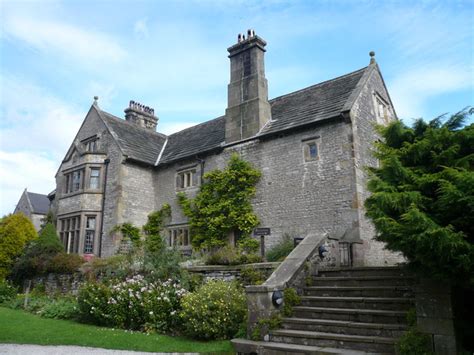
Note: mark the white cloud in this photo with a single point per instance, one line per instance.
(412, 89)
(140, 28)
(22, 170)
(78, 44)
(34, 120)
(36, 130)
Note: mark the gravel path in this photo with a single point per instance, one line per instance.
(17, 349)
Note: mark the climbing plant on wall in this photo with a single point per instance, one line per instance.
(223, 204)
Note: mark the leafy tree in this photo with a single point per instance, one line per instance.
(16, 230)
(422, 201)
(223, 204)
(48, 241)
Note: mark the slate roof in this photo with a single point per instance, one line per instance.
(136, 143)
(39, 202)
(316, 103)
(194, 140)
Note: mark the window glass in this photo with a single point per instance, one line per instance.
(94, 181)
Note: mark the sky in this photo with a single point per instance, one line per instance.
(55, 56)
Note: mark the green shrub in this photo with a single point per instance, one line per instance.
(132, 304)
(264, 326)
(106, 269)
(290, 299)
(16, 230)
(7, 291)
(249, 245)
(281, 250)
(251, 276)
(229, 255)
(61, 308)
(215, 311)
(44, 255)
(413, 342)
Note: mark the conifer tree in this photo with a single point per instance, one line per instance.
(422, 201)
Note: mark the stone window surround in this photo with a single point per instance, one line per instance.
(70, 233)
(378, 101)
(187, 177)
(306, 147)
(172, 234)
(82, 227)
(90, 230)
(91, 144)
(84, 188)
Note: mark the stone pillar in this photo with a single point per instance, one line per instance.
(434, 313)
(259, 304)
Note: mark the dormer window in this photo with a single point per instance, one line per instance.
(91, 144)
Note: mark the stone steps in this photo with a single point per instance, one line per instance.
(381, 303)
(344, 327)
(362, 281)
(351, 314)
(343, 341)
(365, 271)
(357, 291)
(244, 346)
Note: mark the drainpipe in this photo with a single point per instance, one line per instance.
(106, 162)
(201, 162)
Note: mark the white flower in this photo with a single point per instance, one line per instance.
(151, 312)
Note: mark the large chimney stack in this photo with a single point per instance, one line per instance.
(141, 115)
(248, 109)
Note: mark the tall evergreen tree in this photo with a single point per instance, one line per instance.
(422, 201)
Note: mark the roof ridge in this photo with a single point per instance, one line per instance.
(318, 84)
(118, 119)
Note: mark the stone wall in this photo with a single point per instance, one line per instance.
(231, 272)
(363, 115)
(293, 196)
(56, 283)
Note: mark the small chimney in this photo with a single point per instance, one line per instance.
(141, 115)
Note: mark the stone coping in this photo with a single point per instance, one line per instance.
(293, 263)
(211, 268)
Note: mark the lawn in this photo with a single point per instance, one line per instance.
(24, 328)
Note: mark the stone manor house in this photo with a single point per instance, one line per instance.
(311, 145)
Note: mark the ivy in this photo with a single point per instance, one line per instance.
(223, 204)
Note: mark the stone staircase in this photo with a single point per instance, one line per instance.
(347, 311)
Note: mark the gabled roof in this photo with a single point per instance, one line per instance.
(139, 144)
(39, 203)
(313, 104)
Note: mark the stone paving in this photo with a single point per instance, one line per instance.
(22, 349)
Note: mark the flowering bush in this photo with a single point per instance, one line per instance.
(215, 311)
(133, 304)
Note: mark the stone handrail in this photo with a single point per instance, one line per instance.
(259, 297)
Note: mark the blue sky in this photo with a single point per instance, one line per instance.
(171, 55)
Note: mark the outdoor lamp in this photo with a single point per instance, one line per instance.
(322, 251)
(277, 298)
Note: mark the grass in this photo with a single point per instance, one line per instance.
(19, 327)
